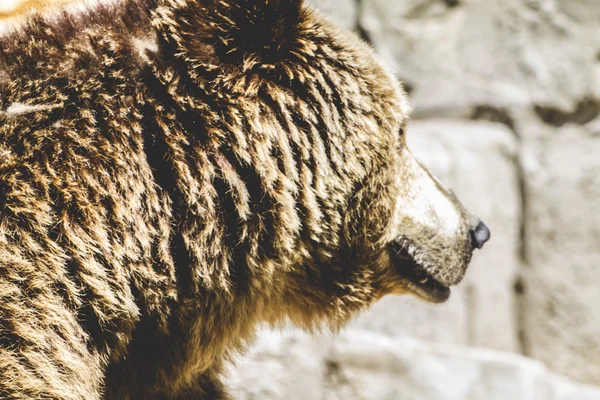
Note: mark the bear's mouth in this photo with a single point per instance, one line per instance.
(415, 278)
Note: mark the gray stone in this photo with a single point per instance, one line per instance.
(395, 315)
(476, 160)
(361, 365)
(342, 12)
(562, 225)
(504, 54)
(281, 366)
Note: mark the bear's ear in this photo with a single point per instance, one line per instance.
(232, 30)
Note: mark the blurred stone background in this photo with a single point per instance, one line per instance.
(507, 113)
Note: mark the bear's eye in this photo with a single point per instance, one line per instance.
(401, 132)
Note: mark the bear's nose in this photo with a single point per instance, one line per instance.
(480, 235)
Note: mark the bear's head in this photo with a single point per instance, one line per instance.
(347, 214)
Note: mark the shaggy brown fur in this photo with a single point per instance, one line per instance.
(173, 174)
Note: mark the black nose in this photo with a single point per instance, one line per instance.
(480, 235)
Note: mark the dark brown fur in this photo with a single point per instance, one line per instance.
(163, 202)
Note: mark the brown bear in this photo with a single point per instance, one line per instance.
(175, 172)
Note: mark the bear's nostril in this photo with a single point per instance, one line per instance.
(480, 235)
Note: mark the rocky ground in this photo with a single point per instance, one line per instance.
(363, 365)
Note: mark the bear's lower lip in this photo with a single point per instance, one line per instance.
(416, 279)
(432, 291)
